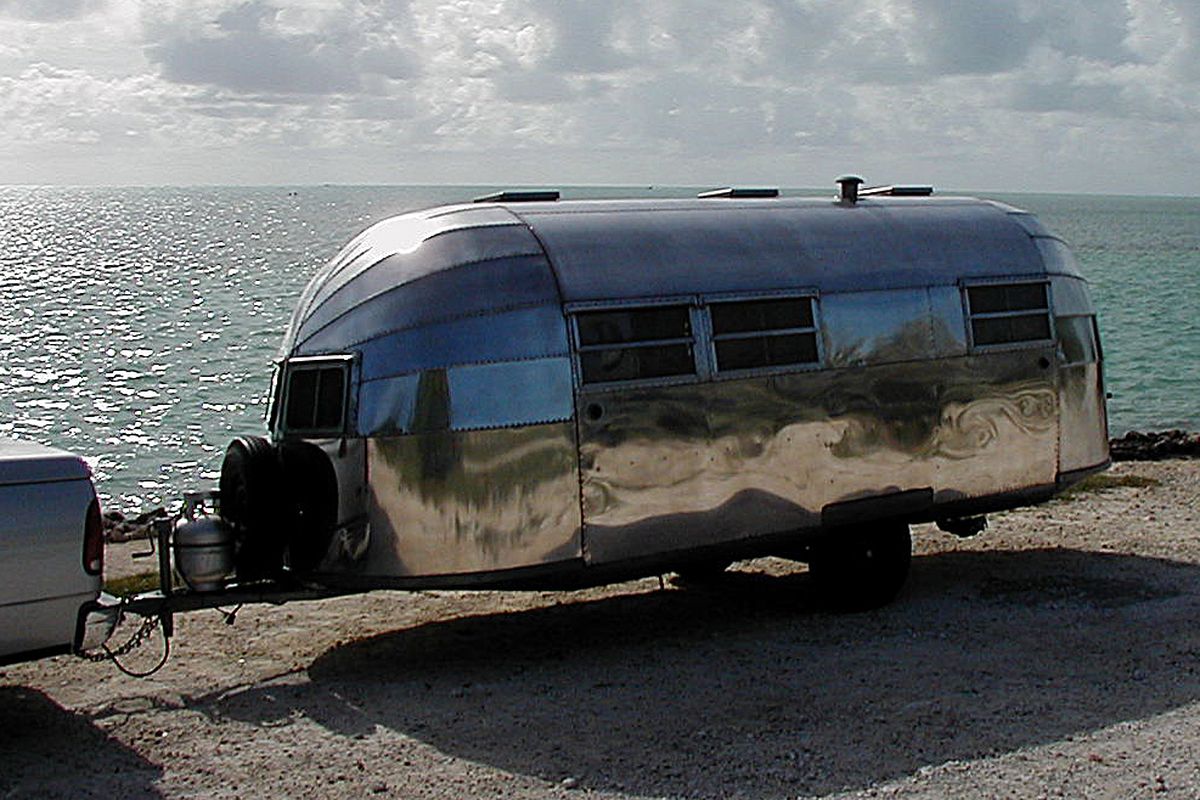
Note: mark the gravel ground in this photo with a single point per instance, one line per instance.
(1055, 655)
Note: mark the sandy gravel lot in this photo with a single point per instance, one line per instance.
(1056, 655)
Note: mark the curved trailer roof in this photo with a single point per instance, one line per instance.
(458, 262)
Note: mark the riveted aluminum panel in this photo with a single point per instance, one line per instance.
(877, 327)
(1083, 441)
(1032, 225)
(636, 251)
(457, 249)
(452, 503)
(536, 332)
(673, 467)
(1070, 296)
(487, 287)
(497, 395)
(402, 234)
(386, 406)
(1058, 257)
(510, 393)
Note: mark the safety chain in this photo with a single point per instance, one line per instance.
(135, 641)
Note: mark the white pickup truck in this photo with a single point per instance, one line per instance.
(51, 551)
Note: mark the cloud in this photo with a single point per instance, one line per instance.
(49, 10)
(605, 89)
(243, 53)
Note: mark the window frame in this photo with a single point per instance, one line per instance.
(290, 367)
(1009, 280)
(1094, 332)
(702, 341)
(711, 337)
(699, 371)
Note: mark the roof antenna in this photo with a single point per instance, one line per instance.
(848, 192)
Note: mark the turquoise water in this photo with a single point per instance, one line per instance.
(138, 325)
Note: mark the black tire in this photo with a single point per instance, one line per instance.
(312, 504)
(252, 503)
(861, 568)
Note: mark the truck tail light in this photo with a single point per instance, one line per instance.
(93, 540)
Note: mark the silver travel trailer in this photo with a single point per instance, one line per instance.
(530, 392)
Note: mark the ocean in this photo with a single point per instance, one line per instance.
(138, 325)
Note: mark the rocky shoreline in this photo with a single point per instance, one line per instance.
(1155, 445)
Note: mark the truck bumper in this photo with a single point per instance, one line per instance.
(97, 621)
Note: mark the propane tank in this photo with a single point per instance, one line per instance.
(204, 550)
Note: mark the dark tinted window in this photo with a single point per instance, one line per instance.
(301, 398)
(1009, 297)
(634, 325)
(1001, 330)
(772, 351)
(753, 334)
(632, 363)
(316, 398)
(1076, 340)
(331, 393)
(635, 343)
(1009, 313)
(761, 315)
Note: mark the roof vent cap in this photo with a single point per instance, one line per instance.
(896, 191)
(740, 191)
(848, 188)
(524, 196)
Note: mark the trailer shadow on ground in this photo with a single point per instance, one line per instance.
(746, 688)
(48, 751)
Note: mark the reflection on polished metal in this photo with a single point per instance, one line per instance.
(697, 465)
(1083, 415)
(447, 503)
(476, 443)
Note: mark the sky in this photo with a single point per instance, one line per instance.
(1000, 95)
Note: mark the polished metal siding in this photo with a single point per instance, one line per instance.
(877, 327)
(467, 397)
(1084, 439)
(537, 332)
(460, 502)
(672, 467)
(487, 253)
(401, 234)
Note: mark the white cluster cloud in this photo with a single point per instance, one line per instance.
(1017, 94)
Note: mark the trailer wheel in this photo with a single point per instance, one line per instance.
(251, 487)
(862, 568)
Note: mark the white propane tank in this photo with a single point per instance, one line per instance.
(204, 550)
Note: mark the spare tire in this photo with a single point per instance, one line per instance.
(311, 488)
(252, 502)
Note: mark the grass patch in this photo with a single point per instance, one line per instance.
(1103, 482)
(132, 584)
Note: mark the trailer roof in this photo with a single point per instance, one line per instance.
(509, 254)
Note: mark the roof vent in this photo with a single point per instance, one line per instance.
(896, 191)
(526, 196)
(739, 191)
(848, 188)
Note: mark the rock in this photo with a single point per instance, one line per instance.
(1155, 445)
(119, 528)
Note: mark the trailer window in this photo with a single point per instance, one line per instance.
(1011, 313)
(763, 333)
(1076, 340)
(316, 398)
(635, 343)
